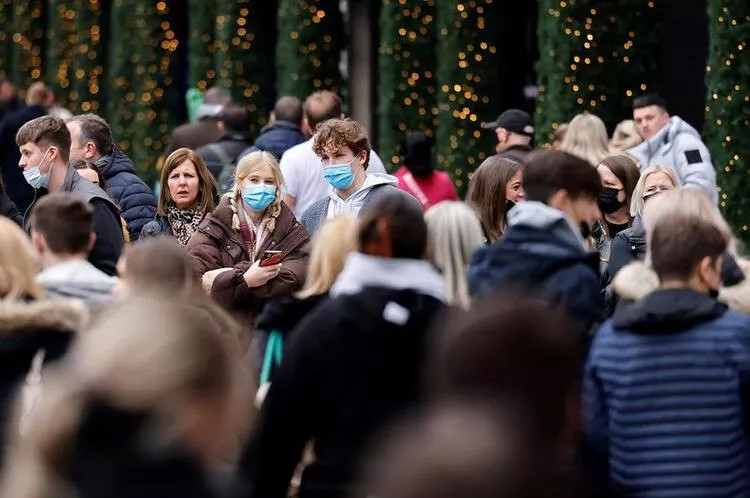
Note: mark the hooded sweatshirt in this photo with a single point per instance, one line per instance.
(541, 252)
(679, 145)
(77, 279)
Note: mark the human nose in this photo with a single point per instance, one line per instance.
(182, 180)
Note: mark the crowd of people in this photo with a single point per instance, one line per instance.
(284, 318)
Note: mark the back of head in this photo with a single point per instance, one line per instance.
(468, 450)
(625, 136)
(549, 171)
(159, 265)
(217, 96)
(688, 202)
(487, 189)
(334, 134)
(46, 131)
(454, 233)
(149, 373)
(586, 138)
(94, 129)
(678, 243)
(37, 94)
(18, 263)
(331, 245)
(236, 119)
(512, 350)
(649, 100)
(395, 220)
(64, 220)
(417, 154)
(322, 106)
(288, 109)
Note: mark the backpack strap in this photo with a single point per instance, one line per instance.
(418, 192)
(226, 177)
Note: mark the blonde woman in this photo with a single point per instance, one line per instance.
(638, 279)
(453, 234)
(630, 244)
(625, 137)
(34, 331)
(586, 138)
(232, 249)
(151, 402)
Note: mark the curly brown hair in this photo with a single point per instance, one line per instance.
(334, 134)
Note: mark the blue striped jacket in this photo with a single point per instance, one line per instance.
(664, 394)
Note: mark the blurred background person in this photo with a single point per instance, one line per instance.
(418, 177)
(630, 244)
(206, 130)
(494, 189)
(559, 135)
(187, 195)
(625, 136)
(283, 130)
(586, 137)
(152, 403)
(514, 129)
(34, 331)
(8, 208)
(453, 234)
(221, 156)
(231, 242)
(61, 231)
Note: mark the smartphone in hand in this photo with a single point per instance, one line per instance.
(271, 258)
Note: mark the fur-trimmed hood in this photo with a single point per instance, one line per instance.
(25, 316)
(637, 279)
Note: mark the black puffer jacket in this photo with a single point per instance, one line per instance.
(135, 199)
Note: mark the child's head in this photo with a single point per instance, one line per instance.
(688, 250)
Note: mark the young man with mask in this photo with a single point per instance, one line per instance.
(673, 142)
(344, 151)
(44, 144)
(543, 251)
(666, 384)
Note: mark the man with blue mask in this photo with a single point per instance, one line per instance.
(44, 144)
(344, 150)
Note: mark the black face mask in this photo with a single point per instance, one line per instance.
(508, 206)
(585, 230)
(608, 201)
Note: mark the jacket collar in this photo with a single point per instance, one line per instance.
(666, 311)
(538, 215)
(362, 271)
(20, 316)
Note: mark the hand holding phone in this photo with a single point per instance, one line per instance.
(271, 258)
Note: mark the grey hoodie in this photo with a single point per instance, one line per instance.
(77, 279)
(539, 215)
(679, 146)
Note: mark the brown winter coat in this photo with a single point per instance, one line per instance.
(216, 245)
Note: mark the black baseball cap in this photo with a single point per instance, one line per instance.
(514, 120)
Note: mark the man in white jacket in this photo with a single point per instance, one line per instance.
(670, 141)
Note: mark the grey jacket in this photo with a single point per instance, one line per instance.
(76, 279)
(679, 145)
(317, 213)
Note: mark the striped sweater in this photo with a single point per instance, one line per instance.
(663, 397)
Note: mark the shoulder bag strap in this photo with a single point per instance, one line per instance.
(418, 193)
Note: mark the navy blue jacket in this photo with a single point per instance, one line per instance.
(135, 199)
(545, 261)
(277, 138)
(12, 176)
(665, 397)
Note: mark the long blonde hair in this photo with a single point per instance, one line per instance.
(146, 357)
(586, 138)
(636, 200)
(453, 234)
(246, 167)
(19, 263)
(331, 245)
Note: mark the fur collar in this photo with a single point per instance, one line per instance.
(19, 316)
(636, 280)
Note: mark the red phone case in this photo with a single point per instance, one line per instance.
(273, 260)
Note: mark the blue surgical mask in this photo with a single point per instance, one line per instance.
(34, 176)
(340, 175)
(259, 197)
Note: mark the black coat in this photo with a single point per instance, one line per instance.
(627, 246)
(135, 199)
(284, 314)
(347, 373)
(232, 144)
(15, 184)
(9, 209)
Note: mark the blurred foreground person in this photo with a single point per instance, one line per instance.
(151, 403)
(354, 364)
(453, 233)
(34, 331)
(667, 377)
